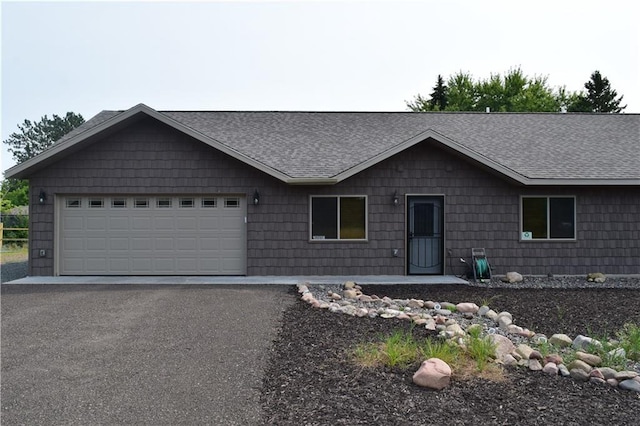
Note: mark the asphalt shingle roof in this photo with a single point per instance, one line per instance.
(319, 145)
(325, 144)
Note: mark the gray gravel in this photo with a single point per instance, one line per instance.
(144, 355)
(562, 281)
(13, 271)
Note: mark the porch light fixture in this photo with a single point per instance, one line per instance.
(256, 197)
(42, 197)
(395, 199)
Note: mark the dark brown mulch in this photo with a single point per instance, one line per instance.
(310, 379)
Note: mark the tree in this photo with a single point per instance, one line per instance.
(31, 141)
(600, 97)
(513, 92)
(36, 137)
(462, 92)
(437, 101)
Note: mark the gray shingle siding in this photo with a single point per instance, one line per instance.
(481, 209)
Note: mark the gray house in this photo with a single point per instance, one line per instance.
(145, 192)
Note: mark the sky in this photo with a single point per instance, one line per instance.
(296, 56)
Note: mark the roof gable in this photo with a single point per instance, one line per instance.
(328, 147)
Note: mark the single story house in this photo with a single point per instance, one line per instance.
(146, 192)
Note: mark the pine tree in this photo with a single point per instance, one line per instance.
(601, 96)
(439, 97)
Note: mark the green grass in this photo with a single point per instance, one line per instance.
(629, 338)
(14, 253)
(401, 349)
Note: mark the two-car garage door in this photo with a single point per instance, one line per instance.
(151, 235)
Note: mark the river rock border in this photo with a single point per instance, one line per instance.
(451, 321)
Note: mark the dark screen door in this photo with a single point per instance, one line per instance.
(425, 221)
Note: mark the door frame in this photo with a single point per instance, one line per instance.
(406, 229)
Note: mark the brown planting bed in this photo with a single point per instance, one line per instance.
(311, 379)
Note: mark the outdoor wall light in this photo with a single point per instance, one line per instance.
(256, 197)
(42, 197)
(395, 199)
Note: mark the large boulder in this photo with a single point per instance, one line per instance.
(433, 373)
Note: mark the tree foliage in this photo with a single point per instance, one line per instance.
(599, 97)
(515, 92)
(33, 138)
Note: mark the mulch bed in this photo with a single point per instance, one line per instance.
(311, 380)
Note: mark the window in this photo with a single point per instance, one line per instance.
(141, 203)
(74, 203)
(96, 203)
(548, 218)
(232, 203)
(163, 203)
(339, 218)
(118, 203)
(186, 203)
(209, 202)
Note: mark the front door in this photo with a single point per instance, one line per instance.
(425, 227)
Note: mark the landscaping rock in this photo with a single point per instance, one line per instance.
(504, 345)
(554, 358)
(524, 350)
(597, 277)
(563, 370)
(577, 364)
(415, 303)
(467, 308)
(579, 374)
(512, 277)
(625, 375)
(607, 373)
(550, 368)
(583, 342)
(630, 385)
(349, 285)
(560, 340)
(534, 365)
(433, 374)
(591, 359)
(350, 293)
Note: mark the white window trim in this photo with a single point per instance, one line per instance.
(575, 219)
(334, 240)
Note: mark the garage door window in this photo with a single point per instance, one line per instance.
(141, 203)
(164, 203)
(232, 203)
(119, 203)
(96, 203)
(186, 203)
(74, 203)
(209, 202)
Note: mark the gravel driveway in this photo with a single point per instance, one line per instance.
(136, 354)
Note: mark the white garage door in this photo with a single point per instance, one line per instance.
(152, 235)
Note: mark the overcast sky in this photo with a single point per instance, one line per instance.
(341, 56)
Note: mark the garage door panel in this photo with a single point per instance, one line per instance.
(118, 244)
(72, 244)
(158, 237)
(95, 264)
(139, 223)
(119, 266)
(97, 244)
(73, 223)
(119, 223)
(96, 223)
